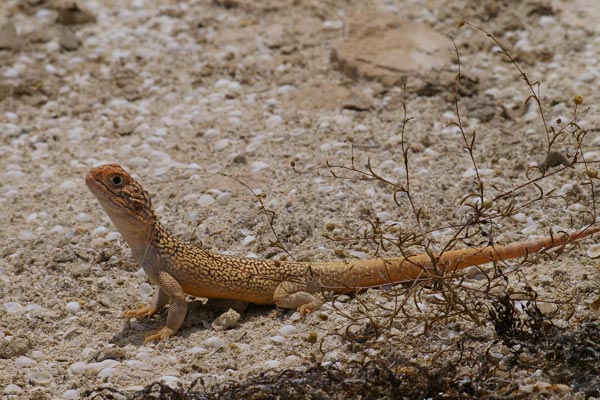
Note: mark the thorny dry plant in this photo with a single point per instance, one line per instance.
(488, 205)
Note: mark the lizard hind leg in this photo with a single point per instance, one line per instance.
(288, 295)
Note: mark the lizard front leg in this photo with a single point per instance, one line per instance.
(177, 306)
(291, 295)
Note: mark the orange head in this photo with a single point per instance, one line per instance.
(125, 201)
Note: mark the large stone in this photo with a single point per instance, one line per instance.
(380, 47)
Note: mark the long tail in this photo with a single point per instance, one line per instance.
(344, 276)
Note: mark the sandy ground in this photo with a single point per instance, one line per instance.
(182, 93)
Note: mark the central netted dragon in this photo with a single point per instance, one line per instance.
(179, 268)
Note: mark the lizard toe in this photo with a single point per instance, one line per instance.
(162, 333)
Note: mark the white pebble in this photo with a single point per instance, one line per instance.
(72, 394)
(143, 355)
(107, 373)
(594, 251)
(248, 240)
(278, 339)
(83, 217)
(224, 198)
(136, 364)
(191, 197)
(196, 350)
(170, 380)
(11, 194)
(58, 229)
(520, 217)
(272, 363)
(39, 378)
(259, 166)
(23, 361)
(210, 133)
(77, 368)
(531, 227)
(26, 235)
(273, 121)
(547, 20)
(99, 366)
(13, 389)
(205, 200)
(221, 144)
(214, 342)
(68, 185)
(145, 290)
(12, 307)
(288, 330)
(14, 174)
(73, 307)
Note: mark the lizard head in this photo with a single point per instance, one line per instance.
(124, 200)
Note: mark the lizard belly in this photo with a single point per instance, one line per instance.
(227, 293)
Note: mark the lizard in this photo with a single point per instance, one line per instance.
(179, 268)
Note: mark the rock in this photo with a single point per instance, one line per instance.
(67, 40)
(288, 330)
(71, 14)
(358, 101)
(13, 389)
(39, 378)
(73, 307)
(226, 320)
(554, 159)
(379, 47)
(9, 39)
(17, 346)
(214, 342)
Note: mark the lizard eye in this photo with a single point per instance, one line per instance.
(116, 180)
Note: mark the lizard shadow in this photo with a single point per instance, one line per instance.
(200, 315)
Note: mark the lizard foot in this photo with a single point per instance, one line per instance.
(143, 311)
(308, 308)
(162, 333)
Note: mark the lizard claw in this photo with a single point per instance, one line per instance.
(143, 311)
(161, 334)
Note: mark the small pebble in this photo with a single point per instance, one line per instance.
(288, 330)
(214, 342)
(222, 144)
(226, 320)
(145, 290)
(107, 373)
(39, 378)
(594, 251)
(12, 307)
(170, 380)
(196, 350)
(23, 361)
(136, 364)
(99, 366)
(73, 307)
(224, 198)
(205, 200)
(71, 394)
(77, 368)
(272, 363)
(13, 389)
(259, 166)
(248, 240)
(278, 339)
(210, 133)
